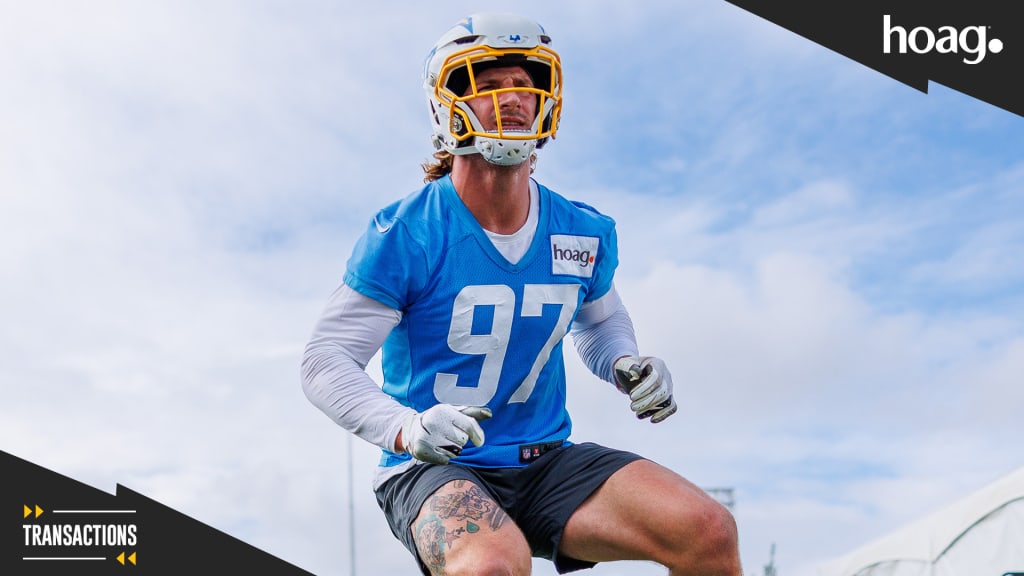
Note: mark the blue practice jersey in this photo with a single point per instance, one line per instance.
(476, 329)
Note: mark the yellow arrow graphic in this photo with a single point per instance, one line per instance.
(28, 511)
(120, 558)
(131, 558)
(39, 511)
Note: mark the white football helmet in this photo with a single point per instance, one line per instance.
(449, 78)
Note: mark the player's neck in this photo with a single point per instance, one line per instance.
(498, 196)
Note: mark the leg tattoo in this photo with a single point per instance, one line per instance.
(471, 505)
(430, 540)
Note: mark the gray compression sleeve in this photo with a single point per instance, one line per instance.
(602, 333)
(350, 331)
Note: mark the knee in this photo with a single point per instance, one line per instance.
(489, 562)
(505, 555)
(704, 540)
(720, 530)
(718, 544)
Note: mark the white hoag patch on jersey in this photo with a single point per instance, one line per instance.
(573, 255)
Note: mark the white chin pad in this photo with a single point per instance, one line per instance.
(505, 152)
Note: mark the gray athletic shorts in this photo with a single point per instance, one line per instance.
(539, 497)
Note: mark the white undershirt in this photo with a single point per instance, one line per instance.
(513, 246)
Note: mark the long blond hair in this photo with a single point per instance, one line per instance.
(440, 168)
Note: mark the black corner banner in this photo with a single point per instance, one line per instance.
(975, 47)
(53, 525)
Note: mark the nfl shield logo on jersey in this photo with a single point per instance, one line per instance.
(573, 255)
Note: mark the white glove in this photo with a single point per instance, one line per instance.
(649, 384)
(439, 433)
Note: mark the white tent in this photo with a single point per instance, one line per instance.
(981, 535)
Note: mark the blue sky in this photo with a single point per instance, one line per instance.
(829, 260)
